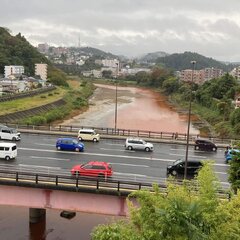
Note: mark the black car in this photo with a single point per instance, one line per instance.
(205, 145)
(178, 167)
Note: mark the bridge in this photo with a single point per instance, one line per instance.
(81, 194)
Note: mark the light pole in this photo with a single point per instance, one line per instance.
(116, 99)
(189, 120)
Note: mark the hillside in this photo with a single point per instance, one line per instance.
(97, 53)
(16, 50)
(152, 57)
(180, 61)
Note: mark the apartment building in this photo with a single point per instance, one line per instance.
(210, 73)
(41, 70)
(13, 70)
(188, 75)
(236, 72)
(200, 76)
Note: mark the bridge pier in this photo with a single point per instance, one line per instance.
(36, 215)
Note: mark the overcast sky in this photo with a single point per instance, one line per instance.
(130, 27)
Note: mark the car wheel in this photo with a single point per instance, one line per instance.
(147, 149)
(174, 173)
(130, 148)
(14, 139)
(94, 140)
(7, 158)
(76, 149)
(101, 175)
(214, 149)
(80, 139)
(58, 148)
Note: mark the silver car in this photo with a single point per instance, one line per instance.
(138, 144)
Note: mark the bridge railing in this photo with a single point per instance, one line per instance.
(73, 130)
(83, 184)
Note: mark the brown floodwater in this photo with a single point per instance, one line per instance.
(150, 111)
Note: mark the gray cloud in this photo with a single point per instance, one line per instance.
(130, 27)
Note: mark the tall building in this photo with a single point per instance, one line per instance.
(41, 70)
(200, 76)
(13, 70)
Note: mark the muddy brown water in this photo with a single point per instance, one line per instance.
(137, 109)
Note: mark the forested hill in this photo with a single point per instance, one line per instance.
(16, 50)
(180, 61)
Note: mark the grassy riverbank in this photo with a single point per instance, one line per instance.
(75, 96)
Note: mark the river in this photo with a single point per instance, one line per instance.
(137, 108)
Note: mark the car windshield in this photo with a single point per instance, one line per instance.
(75, 141)
(13, 130)
(177, 162)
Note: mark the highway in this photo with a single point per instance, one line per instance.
(37, 153)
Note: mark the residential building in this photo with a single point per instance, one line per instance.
(41, 70)
(237, 101)
(188, 75)
(210, 73)
(12, 70)
(92, 73)
(200, 76)
(236, 72)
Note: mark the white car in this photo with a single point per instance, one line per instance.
(138, 144)
(88, 135)
(9, 134)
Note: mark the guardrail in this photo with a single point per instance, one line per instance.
(73, 129)
(82, 184)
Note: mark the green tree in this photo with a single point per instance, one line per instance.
(106, 73)
(189, 211)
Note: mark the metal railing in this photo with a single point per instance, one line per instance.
(73, 130)
(98, 185)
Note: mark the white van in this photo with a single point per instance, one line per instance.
(8, 150)
(88, 135)
(9, 134)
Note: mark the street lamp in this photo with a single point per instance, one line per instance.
(189, 119)
(116, 99)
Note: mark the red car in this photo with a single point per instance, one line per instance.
(93, 169)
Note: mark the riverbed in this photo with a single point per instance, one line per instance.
(137, 109)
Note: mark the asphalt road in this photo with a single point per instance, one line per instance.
(37, 153)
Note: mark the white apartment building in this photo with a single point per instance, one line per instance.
(111, 63)
(41, 70)
(12, 69)
(236, 72)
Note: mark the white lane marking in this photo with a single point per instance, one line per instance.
(181, 155)
(114, 144)
(110, 155)
(50, 158)
(110, 149)
(44, 144)
(38, 166)
(221, 173)
(126, 164)
(130, 174)
(221, 165)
